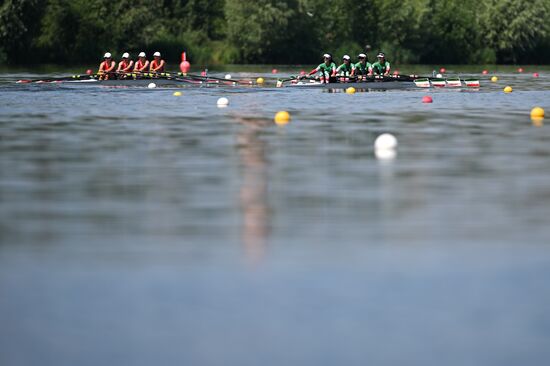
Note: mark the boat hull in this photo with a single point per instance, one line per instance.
(357, 85)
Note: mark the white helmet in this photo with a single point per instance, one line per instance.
(156, 54)
(362, 55)
(346, 57)
(107, 55)
(125, 55)
(142, 54)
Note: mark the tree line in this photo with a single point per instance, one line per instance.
(280, 32)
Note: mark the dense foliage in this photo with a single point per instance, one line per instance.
(269, 31)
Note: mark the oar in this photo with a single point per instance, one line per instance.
(206, 78)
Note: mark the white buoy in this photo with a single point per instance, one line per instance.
(439, 76)
(385, 141)
(228, 76)
(385, 154)
(152, 85)
(223, 102)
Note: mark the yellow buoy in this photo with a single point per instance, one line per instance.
(494, 79)
(282, 118)
(177, 94)
(508, 89)
(350, 90)
(259, 80)
(537, 112)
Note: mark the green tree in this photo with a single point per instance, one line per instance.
(18, 28)
(514, 27)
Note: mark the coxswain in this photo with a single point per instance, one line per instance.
(141, 65)
(107, 67)
(327, 69)
(381, 67)
(157, 65)
(125, 66)
(346, 69)
(363, 67)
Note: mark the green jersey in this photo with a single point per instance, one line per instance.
(345, 69)
(363, 69)
(380, 68)
(326, 70)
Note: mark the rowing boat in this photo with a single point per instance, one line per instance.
(397, 82)
(394, 84)
(138, 82)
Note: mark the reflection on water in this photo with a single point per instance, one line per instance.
(253, 192)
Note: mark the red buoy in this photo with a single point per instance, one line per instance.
(520, 70)
(396, 73)
(536, 75)
(274, 71)
(203, 73)
(427, 99)
(443, 70)
(302, 72)
(89, 72)
(485, 72)
(184, 65)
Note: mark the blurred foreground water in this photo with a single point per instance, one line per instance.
(140, 228)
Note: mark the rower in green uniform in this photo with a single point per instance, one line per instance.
(346, 69)
(326, 69)
(381, 67)
(363, 67)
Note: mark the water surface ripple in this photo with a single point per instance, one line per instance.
(141, 228)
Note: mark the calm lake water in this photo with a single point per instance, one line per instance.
(140, 228)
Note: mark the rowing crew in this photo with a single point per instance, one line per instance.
(360, 70)
(126, 65)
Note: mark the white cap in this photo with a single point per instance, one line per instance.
(326, 55)
(362, 55)
(107, 55)
(346, 57)
(156, 54)
(142, 54)
(125, 55)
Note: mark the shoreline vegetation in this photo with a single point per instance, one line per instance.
(219, 32)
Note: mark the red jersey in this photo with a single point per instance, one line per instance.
(155, 64)
(141, 65)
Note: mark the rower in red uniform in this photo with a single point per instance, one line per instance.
(106, 68)
(157, 65)
(142, 65)
(125, 66)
